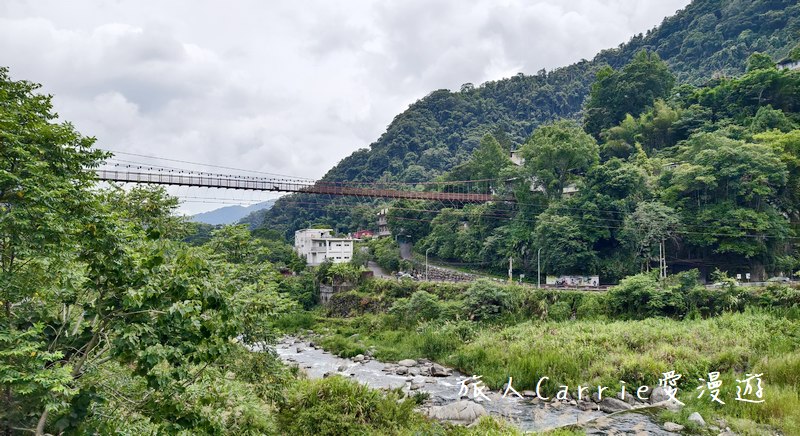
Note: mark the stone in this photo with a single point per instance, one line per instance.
(417, 383)
(587, 405)
(460, 412)
(414, 370)
(407, 362)
(658, 395)
(697, 419)
(611, 405)
(401, 370)
(342, 368)
(673, 427)
(327, 374)
(573, 403)
(630, 399)
(529, 394)
(358, 358)
(439, 371)
(299, 349)
(312, 344)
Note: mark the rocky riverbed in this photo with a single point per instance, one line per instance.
(448, 402)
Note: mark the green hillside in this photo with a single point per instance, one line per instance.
(708, 39)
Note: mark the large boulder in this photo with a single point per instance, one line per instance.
(407, 362)
(460, 412)
(611, 405)
(673, 427)
(658, 395)
(439, 371)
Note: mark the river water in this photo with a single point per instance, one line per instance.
(526, 413)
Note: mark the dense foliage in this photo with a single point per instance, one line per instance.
(708, 39)
(699, 178)
(111, 323)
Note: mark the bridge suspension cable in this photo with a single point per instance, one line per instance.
(225, 181)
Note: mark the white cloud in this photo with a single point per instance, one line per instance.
(285, 87)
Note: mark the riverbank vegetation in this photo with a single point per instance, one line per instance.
(633, 333)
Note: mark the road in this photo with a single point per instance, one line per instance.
(377, 271)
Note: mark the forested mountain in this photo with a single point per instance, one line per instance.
(708, 39)
(231, 214)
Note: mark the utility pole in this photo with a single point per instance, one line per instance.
(538, 268)
(510, 269)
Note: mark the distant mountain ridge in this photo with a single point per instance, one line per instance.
(230, 214)
(707, 39)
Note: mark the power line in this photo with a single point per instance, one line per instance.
(203, 164)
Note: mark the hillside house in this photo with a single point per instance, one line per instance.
(317, 245)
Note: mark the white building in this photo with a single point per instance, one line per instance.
(788, 64)
(516, 157)
(316, 245)
(383, 223)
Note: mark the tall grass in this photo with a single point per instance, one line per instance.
(597, 352)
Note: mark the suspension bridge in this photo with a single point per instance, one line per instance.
(457, 192)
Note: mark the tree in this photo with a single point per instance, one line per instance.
(99, 296)
(410, 219)
(557, 154)
(726, 191)
(628, 91)
(44, 206)
(489, 159)
(648, 227)
(787, 146)
(759, 61)
(768, 118)
(566, 246)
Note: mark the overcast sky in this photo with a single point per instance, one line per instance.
(289, 87)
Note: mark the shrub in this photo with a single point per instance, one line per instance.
(592, 306)
(423, 306)
(337, 406)
(386, 253)
(486, 300)
(352, 303)
(561, 311)
(301, 289)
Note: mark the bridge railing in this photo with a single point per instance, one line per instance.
(283, 185)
